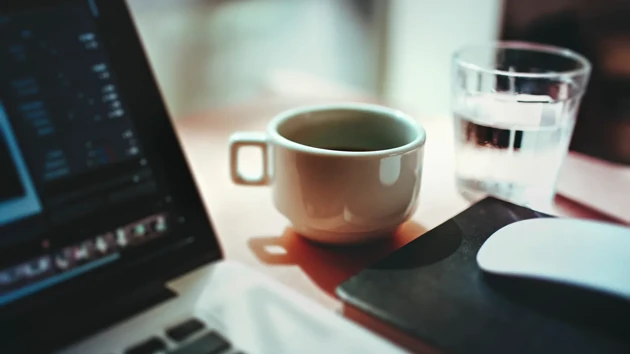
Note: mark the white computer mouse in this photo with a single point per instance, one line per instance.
(590, 254)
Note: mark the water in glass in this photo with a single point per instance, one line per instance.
(512, 146)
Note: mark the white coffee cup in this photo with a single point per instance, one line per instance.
(341, 173)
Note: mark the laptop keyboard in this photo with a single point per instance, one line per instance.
(185, 329)
(209, 343)
(151, 345)
(190, 337)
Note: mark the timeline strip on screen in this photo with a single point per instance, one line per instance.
(29, 289)
(53, 268)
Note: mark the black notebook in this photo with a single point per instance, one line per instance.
(432, 289)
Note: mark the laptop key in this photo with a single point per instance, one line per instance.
(149, 346)
(209, 343)
(185, 329)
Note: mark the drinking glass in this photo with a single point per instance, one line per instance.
(514, 106)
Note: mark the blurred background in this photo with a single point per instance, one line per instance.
(211, 53)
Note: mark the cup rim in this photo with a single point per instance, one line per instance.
(583, 70)
(276, 138)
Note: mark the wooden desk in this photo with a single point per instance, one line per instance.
(254, 233)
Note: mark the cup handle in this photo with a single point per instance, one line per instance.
(239, 140)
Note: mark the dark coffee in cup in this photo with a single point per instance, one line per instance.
(349, 149)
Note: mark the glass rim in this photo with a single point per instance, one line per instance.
(584, 69)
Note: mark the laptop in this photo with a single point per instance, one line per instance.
(105, 246)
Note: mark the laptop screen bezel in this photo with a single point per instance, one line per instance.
(138, 85)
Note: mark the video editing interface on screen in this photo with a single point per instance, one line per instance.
(69, 153)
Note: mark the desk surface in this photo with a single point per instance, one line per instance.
(252, 232)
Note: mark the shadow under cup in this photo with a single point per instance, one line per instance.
(348, 130)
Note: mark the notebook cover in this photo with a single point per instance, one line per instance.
(432, 289)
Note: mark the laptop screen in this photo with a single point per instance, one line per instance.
(80, 188)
